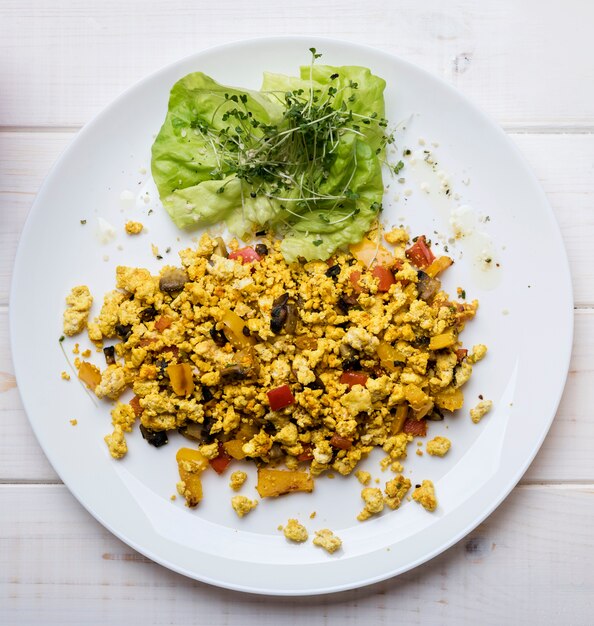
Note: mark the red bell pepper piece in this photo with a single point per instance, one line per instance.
(386, 278)
(342, 443)
(354, 278)
(280, 397)
(353, 378)
(306, 455)
(420, 254)
(220, 463)
(415, 427)
(245, 255)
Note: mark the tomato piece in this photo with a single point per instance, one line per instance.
(280, 397)
(220, 463)
(342, 443)
(385, 276)
(135, 404)
(419, 253)
(353, 378)
(245, 255)
(415, 427)
(354, 278)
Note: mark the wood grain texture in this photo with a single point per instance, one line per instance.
(521, 62)
(564, 164)
(529, 65)
(518, 567)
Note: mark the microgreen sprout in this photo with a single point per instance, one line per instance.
(289, 161)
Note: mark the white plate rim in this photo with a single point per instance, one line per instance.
(503, 492)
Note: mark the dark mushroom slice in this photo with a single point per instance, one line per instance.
(218, 336)
(261, 249)
(162, 365)
(278, 318)
(427, 287)
(333, 271)
(207, 395)
(123, 330)
(109, 352)
(317, 384)
(350, 357)
(281, 300)
(275, 453)
(148, 314)
(291, 319)
(436, 415)
(235, 372)
(345, 303)
(155, 438)
(192, 431)
(173, 280)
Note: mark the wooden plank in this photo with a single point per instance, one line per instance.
(25, 160)
(566, 454)
(564, 164)
(63, 564)
(520, 61)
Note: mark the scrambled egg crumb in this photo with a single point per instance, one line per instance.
(363, 477)
(312, 515)
(374, 503)
(74, 422)
(396, 235)
(116, 443)
(425, 496)
(419, 452)
(294, 531)
(438, 446)
(133, 228)
(78, 305)
(480, 410)
(478, 352)
(86, 354)
(65, 376)
(242, 505)
(237, 479)
(326, 539)
(395, 491)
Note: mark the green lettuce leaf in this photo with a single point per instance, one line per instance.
(205, 157)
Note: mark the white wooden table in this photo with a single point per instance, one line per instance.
(530, 65)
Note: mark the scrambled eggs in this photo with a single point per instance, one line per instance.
(308, 363)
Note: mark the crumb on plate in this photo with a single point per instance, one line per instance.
(438, 446)
(294, 531)
(480, 410)
(134, 228)
(374, 503)
(237, 479)
(326, 539)
(425, 496)
(242, 505)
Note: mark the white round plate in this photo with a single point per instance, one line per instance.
(525, 317)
